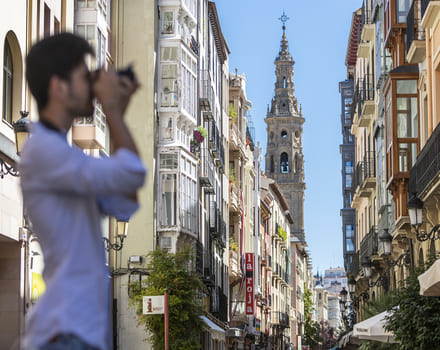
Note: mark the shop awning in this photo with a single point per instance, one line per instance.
(348, 338)
(216, 331)
(373, 329)
(430, 281)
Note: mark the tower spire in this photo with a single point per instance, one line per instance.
(284, 51)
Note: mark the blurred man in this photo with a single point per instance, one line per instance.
(65, 193)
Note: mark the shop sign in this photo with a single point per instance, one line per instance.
(249, 283)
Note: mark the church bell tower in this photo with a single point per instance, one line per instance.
(284, 120)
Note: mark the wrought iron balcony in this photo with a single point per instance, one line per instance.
(280, 319)
(427, 166)
(355, 265)
(199, 257)
(206, 93)
(364, 177)
(423, 6)
(367, 25)
(369, 244)
(415, 37)
(207, 179)
(234, 267)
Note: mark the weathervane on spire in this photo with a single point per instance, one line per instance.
(284, 19)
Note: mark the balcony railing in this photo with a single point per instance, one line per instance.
(207, 179)
(233, 264)
(199, 257)
(280, 319)
(413, 28)
(366, 13)
(427, 166)
(355, 265)
(206, 93)
(424, 5)
(364, 176)
(369, 244)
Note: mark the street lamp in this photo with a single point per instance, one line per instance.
(352, 285)
(366, 266)
(415, 211)
(386, 239)
(21, 134)
(344, 294)
(121, 234)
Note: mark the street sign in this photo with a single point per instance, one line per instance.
(249, 283)
(153, 305)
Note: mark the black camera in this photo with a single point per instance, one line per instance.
(128, 72)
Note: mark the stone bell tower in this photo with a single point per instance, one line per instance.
(284, 156)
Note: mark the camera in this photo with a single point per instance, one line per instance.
(128, 72)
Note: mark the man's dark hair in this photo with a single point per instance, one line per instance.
(56, 55)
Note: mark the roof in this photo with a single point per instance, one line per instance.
(353, 39)
(220, 42)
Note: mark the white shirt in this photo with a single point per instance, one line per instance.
(65, 193)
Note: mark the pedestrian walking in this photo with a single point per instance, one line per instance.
(66, 192)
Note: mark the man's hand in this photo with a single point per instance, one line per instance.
(113, 91)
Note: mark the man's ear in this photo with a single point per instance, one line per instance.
(58, 88)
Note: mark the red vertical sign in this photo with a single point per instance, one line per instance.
(249, 283)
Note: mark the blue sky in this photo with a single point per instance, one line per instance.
(317, 32)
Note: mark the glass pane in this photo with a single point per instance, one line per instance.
(168, 161)
(81, 3)
(402, 104)
(414, 118)
(168, 199)
(81, 30)
(406, 86)
(349, 167)
(413, 154)
(402, 125)
(91, 3)
(349, 245)
(403, 157)
(349, 231)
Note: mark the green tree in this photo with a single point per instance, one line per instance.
(311, 328)
(416, 320)
(174, 272)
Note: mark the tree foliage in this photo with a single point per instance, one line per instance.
(311, 328)
(174, 272)
(416, 320)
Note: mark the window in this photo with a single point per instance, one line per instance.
(402, 7)
(87, 31)
(168, 23)
(169, 85)
(349, 167)
(86, 3)
(284, 134)
(168, 190)
(168, 161)
(8, 71)
(284, 163)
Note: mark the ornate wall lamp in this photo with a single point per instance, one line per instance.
(121, 234)
(415, 211)
(21, 132)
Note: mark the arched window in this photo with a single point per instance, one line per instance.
(272, 164)
(284, 134)
(8, 71)
(284, 82)
(284, 163)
